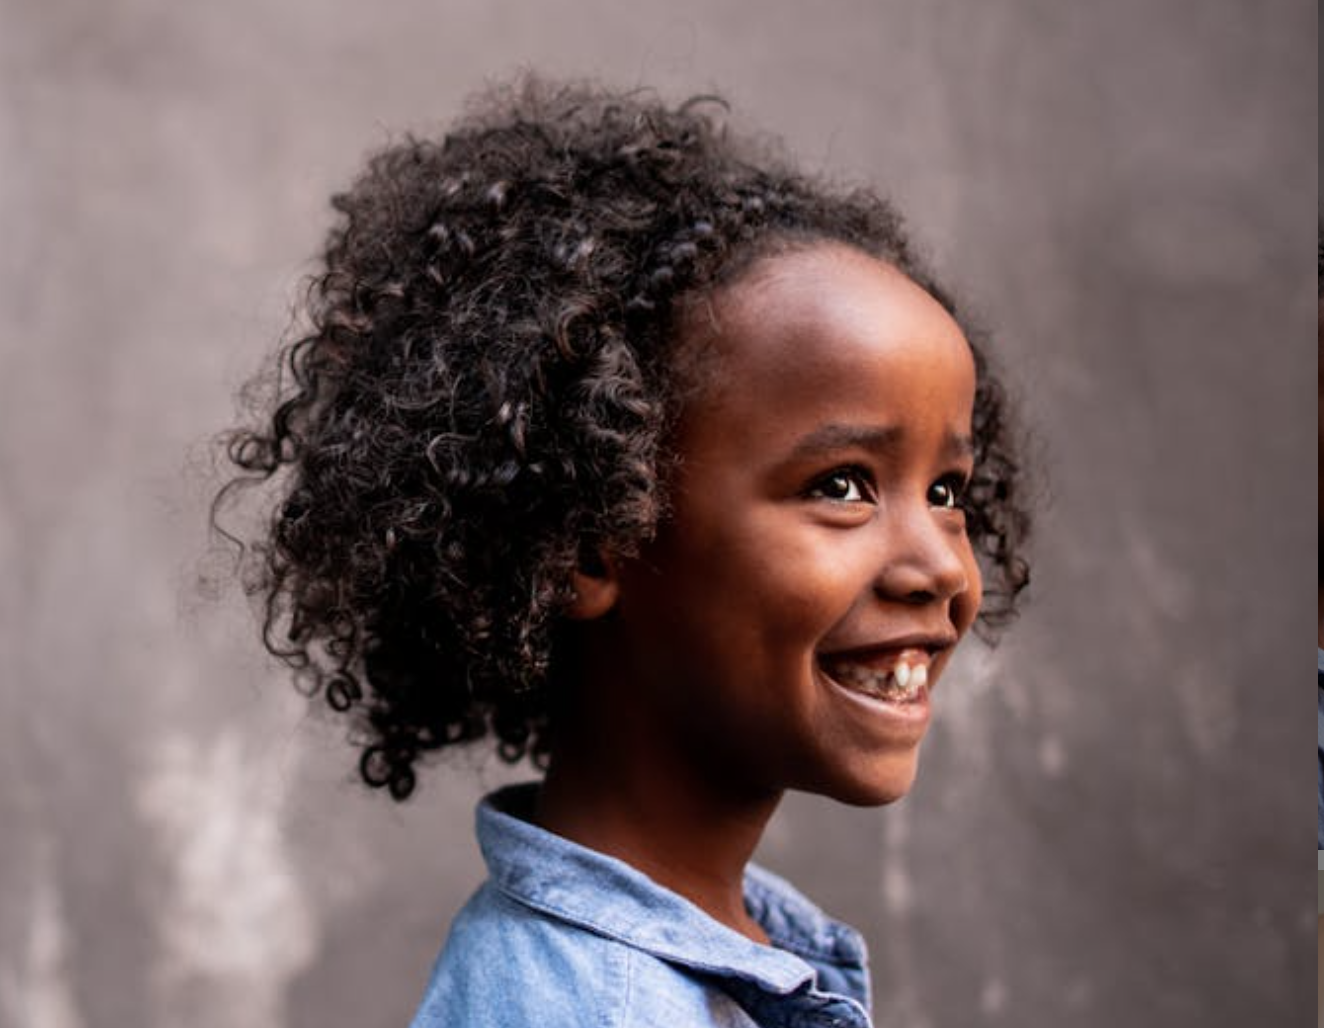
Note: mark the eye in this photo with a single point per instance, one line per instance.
(948, 492)
(843, 485)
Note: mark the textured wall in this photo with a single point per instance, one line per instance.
(1112, 819)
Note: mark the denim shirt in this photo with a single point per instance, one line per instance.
(561, 936)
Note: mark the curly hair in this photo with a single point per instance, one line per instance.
(480, 398)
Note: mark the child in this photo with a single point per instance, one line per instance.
(617, 441)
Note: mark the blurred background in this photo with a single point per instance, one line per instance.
(1111, 823)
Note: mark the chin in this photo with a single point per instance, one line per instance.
(884, 785)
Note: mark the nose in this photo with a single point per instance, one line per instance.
(925, 558)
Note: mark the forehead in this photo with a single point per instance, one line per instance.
(829, 331)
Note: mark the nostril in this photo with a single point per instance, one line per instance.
(923, 570)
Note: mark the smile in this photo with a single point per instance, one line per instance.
(900, 678)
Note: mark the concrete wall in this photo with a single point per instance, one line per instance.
(1111, 823)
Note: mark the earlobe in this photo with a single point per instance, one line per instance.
(595, 591)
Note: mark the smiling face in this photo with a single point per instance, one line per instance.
(788, 623)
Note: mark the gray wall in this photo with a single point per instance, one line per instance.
(1113, 817)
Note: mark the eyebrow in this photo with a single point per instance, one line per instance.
(834, 437)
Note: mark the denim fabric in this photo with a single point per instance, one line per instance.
(560, 936)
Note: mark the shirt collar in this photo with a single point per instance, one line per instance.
(578, 885)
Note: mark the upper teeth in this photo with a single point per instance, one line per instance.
(904, 679)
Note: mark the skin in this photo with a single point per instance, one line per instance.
(702, 695)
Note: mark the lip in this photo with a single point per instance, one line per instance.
(878, 655)
(894, 722)
(901, 720)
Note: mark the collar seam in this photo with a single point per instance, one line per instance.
(725, 970)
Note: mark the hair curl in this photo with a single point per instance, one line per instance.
(481, 399)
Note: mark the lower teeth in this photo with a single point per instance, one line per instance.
(896, 693)
(892, 690)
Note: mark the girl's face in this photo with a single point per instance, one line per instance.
(787, 626)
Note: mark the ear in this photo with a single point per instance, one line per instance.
(596, 587)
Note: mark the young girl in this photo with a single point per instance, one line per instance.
(617, 441)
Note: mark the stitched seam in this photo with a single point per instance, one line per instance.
(627, 1002)
(590, 925)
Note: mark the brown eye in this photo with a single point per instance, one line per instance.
(845, 485)
(947, 492)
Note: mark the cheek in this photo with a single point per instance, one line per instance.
(966, 606)
(776, 587)
(781, 598)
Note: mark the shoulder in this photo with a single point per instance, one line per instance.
(506, 965)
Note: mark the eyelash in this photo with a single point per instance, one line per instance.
(854, 474)
(953, 484)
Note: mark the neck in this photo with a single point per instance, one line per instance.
(674, 827)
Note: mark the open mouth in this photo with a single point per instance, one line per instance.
(897, 677)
